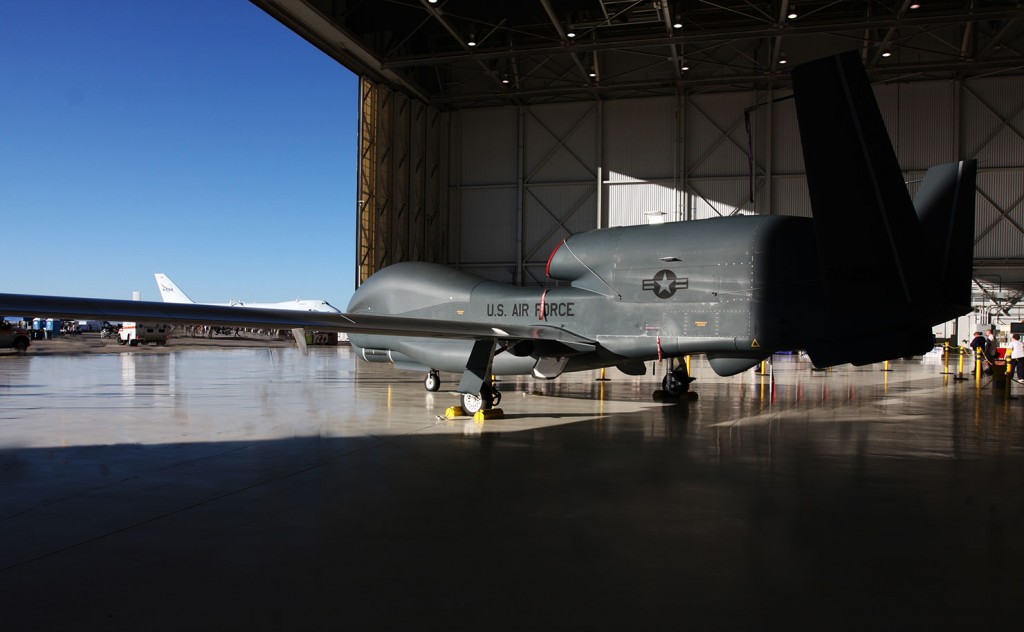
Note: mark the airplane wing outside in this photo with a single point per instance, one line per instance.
(227, 316)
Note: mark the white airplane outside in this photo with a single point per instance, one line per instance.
(171, 293)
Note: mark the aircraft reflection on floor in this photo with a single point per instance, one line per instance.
(216, 395)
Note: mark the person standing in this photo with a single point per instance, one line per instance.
(978, 346)
(991, 351)
(1017, 358)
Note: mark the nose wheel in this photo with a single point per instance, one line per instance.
(432, 382)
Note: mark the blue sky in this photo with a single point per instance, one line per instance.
(198, 138)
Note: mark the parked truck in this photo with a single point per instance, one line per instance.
(16, 338)
(144, 333)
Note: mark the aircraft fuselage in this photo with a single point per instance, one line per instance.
(734, 288)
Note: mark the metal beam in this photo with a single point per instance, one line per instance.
(737, 33)
(562, 36)
(884, 44)
(901, 72)
(311, 25)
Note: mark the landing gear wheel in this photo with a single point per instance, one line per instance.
(471, 404)
(134, 342)
(432, 382)
(21, 345)
(487, 398)
(672, 386)
(677, 380)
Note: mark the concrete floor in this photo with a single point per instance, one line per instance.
(260, 489)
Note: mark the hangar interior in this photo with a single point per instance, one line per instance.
(490, 131)
(261, 489)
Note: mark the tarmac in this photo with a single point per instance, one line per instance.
(224, 485)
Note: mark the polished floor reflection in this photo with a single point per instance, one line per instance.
(260, 489)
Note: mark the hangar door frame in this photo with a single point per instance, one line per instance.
(401, 208)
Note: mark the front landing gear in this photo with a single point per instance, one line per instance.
(432, 382)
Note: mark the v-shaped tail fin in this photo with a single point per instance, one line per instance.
(868, 235)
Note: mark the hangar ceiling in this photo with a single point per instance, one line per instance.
(465, 53)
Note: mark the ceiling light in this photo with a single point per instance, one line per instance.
(782, 59)
(472, 40)
(915, 6)
(792, 15)
(678, 22)
(887, 53)
(505, 80)
(684, 66)
(432, 1)
(592, 73)
(571, 32)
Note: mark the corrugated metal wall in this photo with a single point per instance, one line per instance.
(992, 115)
(523, 178)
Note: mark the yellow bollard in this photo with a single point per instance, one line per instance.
(885, 366)
(960, 365)
(945, 359)
(1009, 375)
(602, 378)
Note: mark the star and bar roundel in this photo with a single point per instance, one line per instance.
(665, 283)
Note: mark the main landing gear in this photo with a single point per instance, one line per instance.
(488, 398)
(677, 381)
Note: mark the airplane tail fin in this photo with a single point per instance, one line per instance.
(868, 234)
(169, 292)
(945, 207)
(876, 246)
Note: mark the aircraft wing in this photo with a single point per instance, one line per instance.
(227, 316)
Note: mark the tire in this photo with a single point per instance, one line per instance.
(134, 342)
(471, 404)
(21, 345)
(495, 398)
(671, 385)
(432, 382)
(121, 341)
